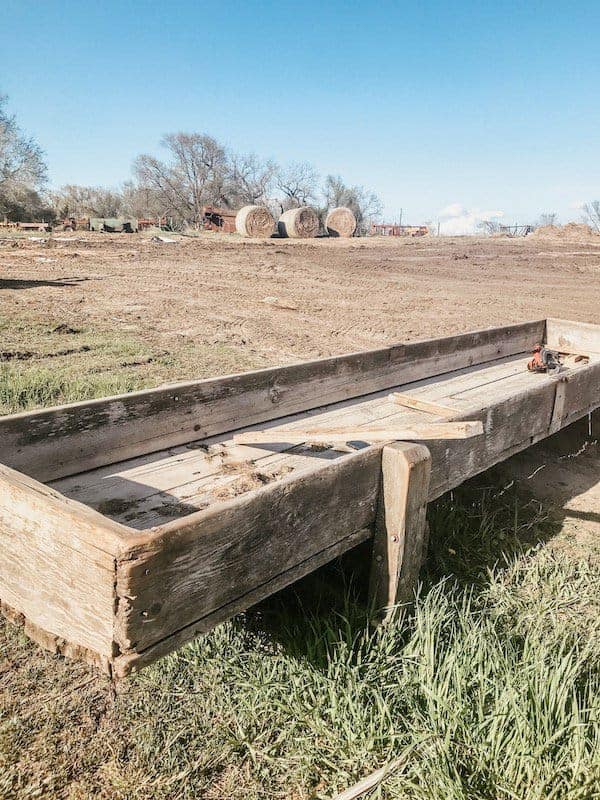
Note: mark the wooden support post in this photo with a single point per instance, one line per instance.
(401, 529)
(558, 410)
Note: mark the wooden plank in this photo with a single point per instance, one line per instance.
(126, 663)
(58, 565)
(399, 544)
(53, 443)
(559, 409)
(85, 531)
(374, 778)
(582, 393)
(192, 567)
(573, 337)
(417, 431)
(423, 405)
(56, 644)
(449, 387)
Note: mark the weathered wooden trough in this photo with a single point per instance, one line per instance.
(128, 525)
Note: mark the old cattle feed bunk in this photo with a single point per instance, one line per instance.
(127, 526)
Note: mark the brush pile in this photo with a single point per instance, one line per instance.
(572, 232)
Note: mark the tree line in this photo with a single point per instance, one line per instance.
(194, 171)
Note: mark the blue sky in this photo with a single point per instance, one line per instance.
(481, 106)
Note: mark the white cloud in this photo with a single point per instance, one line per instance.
(453, 210)
(456, 220)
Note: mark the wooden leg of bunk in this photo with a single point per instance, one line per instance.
(400, 540)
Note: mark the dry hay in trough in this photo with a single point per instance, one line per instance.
(340, 222)
(299, 223)
(255, 221)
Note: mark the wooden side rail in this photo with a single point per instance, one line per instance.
(56, 442)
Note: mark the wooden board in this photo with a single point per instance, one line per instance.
(399, 542)
(410, 401)
(573, 337)
(348, 433)
(132, 661)
(58, 567)
(95, 589)
(52, 443)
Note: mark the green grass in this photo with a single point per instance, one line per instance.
(491, 689)
(22, 389)
(44, 363)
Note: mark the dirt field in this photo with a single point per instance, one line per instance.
(277, 301)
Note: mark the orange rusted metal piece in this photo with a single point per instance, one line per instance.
(218, 219)
(544, 360)
(152, 222)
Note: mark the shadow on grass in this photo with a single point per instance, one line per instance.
(472, 530)
(482, 525)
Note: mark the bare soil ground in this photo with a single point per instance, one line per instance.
(276, 301)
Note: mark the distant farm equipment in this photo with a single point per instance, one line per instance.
(28, 226)
(153, 222)
(217, 219)
(76, 224)
(114, 224)
(99, 224)
(516, 230)
(389, 229)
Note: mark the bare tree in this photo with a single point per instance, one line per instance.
(591, 214)
(547, 218)
(488, 226)
(365, 205)
(196, 174)
(298, 185)
(250, 179)
(142, 201)
(72, 200)
(22, 167)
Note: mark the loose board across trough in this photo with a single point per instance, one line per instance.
(130, 524)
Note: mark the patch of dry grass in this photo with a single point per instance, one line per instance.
(44, 363)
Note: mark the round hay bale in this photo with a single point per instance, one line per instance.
(299, 223)
(255, 221)
(340, 222)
